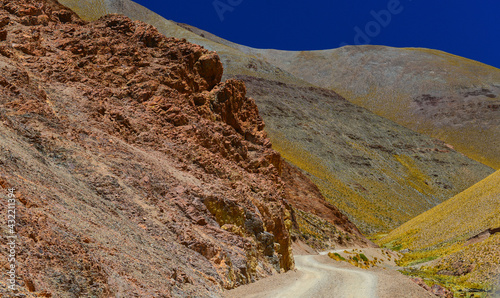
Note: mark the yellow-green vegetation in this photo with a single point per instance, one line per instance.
(456, 234)
(477, 263)
(455, 284)
(356, 259)
(355, 206)
(423, 256)
(88, 10)
(456, 220)
(335, 256)
(377, 236)
(317, 232)
(415, 177)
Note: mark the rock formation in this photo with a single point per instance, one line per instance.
(136, 170)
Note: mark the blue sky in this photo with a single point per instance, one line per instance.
(466, 28)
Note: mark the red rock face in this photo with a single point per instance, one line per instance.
(137, 172)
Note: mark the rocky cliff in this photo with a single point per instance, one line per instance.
(136, 170)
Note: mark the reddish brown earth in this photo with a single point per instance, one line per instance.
(138, 173)
(318, 223)
(436, 289)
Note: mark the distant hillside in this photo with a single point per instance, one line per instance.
(463, 232)
(451, 98)
(377, 172)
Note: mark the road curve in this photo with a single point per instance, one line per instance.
(320, 276)
(324, 280)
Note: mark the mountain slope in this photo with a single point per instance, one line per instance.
(378, 173)
(136, 170)
(445, 96)
(463, 216)
(463, 233)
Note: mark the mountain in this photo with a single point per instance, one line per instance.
(448, 97)
(379, 173)
(136, 170)
(435, 93)
(463, 234)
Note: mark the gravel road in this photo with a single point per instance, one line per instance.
(318, 276)
(315, 279)
(323, 280)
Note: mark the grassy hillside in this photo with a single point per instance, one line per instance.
(462, 233)
(459, 218)
(379, 173)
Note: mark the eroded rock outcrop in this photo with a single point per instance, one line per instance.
(137, 171)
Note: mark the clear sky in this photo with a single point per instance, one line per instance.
(462, 27)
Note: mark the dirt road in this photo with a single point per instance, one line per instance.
(322, 280)
(317, 279)
(319, 276)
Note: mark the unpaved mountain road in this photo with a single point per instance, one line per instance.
(316, 281)
(319, 276)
